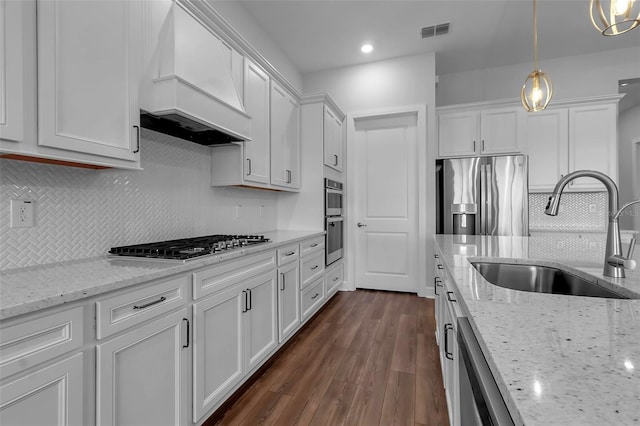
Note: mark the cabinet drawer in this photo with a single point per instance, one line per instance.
(222, 276)
(311, 246)
(310, 268)
(334, 279)
(130, 308)
(288, 254)
(312, 298)
(40, 339)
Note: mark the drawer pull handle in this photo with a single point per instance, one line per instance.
(336, 279)
(291, 253)
(447, 328)
(314, 267)
(146, 305)
(283, 276)
(449, 293)
(315, 295)
(314, 245)
(440, 266)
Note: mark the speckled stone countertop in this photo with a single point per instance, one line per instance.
(558, 360)
(25, 290)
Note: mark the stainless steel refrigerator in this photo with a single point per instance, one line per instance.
(482, 195)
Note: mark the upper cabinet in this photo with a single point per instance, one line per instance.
(333, 139)
(285, 138)
(271, 159)
(480, 130)
(88, 69)
(569, 137)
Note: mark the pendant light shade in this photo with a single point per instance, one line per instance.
(614, 17)
(537, 89)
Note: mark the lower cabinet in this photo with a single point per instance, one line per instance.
(51, 395)
(334, 278)
(234, 331)
(312, 298)
(288, 300)
(141, 375)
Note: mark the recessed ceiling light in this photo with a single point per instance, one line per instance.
(366, 48)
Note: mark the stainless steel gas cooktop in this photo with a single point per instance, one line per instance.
(188, 248)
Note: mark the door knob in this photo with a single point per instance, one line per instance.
(360, 225)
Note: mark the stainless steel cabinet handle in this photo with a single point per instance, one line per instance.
(436, 281)
(288, 176)
(483, 145)
(336, 279)
(436, 256)
(248, 166)
(146, 305)
(440, 266)
(291, 253)
(314, 245)
(474, 146)
(361, 225)
(449, 293)
(186, 345)
(283, 286)
(137, 150)
(313, 268)
(448, 354)
(336, 159)
(315, 295)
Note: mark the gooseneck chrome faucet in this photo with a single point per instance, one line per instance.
(614, 262)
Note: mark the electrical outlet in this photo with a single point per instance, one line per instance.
(22, 213)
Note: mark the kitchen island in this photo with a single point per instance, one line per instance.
(557, 359)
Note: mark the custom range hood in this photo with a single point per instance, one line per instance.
(188, 90)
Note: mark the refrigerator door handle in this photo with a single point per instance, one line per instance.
(483, 195)
(488, 171)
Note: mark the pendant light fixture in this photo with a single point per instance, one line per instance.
(537, 89)
(615, 17)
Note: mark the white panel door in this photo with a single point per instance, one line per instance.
(256, 103)
(386, 202)
(261, 319)
(548, 148)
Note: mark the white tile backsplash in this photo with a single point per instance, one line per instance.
(579, 212)
(81, 213)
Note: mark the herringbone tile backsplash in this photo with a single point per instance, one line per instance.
(82, 213)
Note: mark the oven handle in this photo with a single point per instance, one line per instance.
(486, 394)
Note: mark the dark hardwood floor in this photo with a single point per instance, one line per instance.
(369, 358)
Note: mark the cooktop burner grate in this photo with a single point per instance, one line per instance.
(188, 248)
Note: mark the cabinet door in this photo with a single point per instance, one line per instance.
(500, 131)
(457, 133)
(89, 61)
(256, 103)
(548, 148)
(48, 396)
(285, 138)
(593, 143)
(332, 139)
(18, 22)
(261, 329)
(288, 300)
(141, 375)
(218, 348)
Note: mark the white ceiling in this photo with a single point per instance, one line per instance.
(324, 34)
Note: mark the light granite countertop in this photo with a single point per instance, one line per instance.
(558, 360)
(25, 290)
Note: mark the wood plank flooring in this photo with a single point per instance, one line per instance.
(369, 358)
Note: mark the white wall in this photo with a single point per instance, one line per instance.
(403, 81)
(573, 77)
(241, 20)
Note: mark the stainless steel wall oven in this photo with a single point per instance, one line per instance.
(333, 209)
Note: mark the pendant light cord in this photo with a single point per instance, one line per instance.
(535, 36)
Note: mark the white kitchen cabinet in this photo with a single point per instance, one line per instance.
(285, 138)
(141, 375)
(288, 300)
(578, 136)
(480, 131)
(235, 330)
(38, 387)
(593, 143)
(333, 139)
(256, 102)
(86, 68)
(51, 395)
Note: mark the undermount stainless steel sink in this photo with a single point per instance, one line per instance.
(540, 279)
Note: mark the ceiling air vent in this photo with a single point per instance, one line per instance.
(435, 30)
